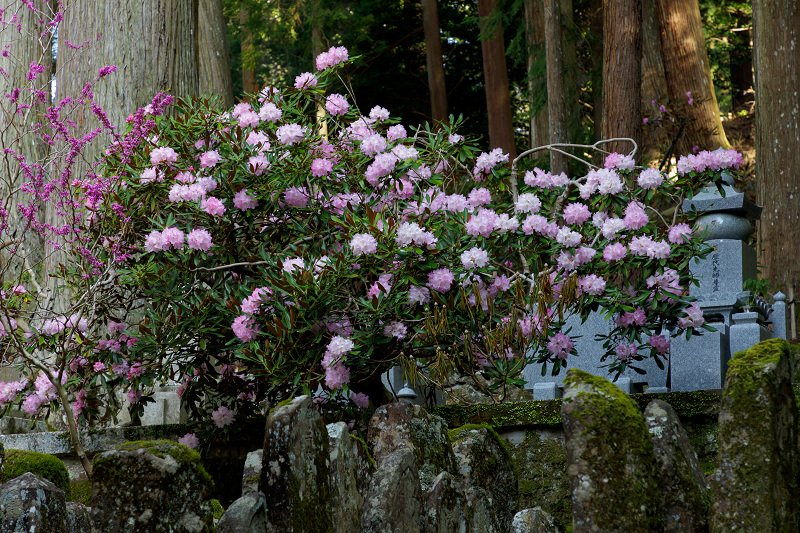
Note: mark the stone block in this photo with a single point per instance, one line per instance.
(487, 478)
(151, 486)
(393, 502)
(755, 486)
(79, 518)
(252, 471)
(536, 521)
(29, 503)
(350, 476)
(295, 471)
(399, 426)
(722, 273)
(702, 361)
(611, 464)
(747, 331)
(546, 391)
(683, 484)
(248, 514)
(445, 505)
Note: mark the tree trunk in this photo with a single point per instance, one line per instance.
(596, 65)
(622, 73)
(776, 58)
(683, 49)
(17, 133)
(153, 43)
(433, 53)
(215, 65)
(556, 97)
(249, 85)
(536, 62)
(654, 81)
(498, 101)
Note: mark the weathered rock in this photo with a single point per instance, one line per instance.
(79, 518)
(487, 479)
(611, 465)
(683, 484)
(29, 503)
(400, 426)
(350, 475)
(154, 486)
(536, 521)
(393, 503)
(248, 514)
(445, 505)
(540, 462)
(463, 391)
(252, 471)
(755, 486)
(295, 469)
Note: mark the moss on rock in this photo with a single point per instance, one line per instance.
(81, 491)
(43, 465)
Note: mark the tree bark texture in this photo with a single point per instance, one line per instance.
(249, 85)
(495, 73)
(596, 65)
(741, 63)
(18, 133)
(537, 85)
(215, 65)
(686, 66)
(654, 81)
(154, 45)
(776, 58)
(556, 94)
(433, 54)
(622, 73)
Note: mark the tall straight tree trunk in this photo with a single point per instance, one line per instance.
(215, 65)
(537, 85)
(622, 73)
(433, 54)
(683, 49)
(776, 58)
(556, 94)
(654, 81)
(153, 43)
(249, 85)
(30, 43)
(495, 74)
(596, 65)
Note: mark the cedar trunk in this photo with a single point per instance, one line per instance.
(622, 73)
(433, 53)
(654, 81)
(776, 59)
(683, 50)
(498, 101)
(215, 65)
(537, 86)
(556, 94)
(249, 85)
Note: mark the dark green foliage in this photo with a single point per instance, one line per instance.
(43, 465)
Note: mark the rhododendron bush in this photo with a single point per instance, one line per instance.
(273, 250)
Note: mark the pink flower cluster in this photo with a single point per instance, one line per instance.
(409, 233)
(222, 417)
(626, 350)
(636, 317)
(560, 345)
(245, 328)
(604, 181)
(487, 161)
(332, 57)
(622, 162)
(336, 104)
(336, 374)
(719, 159)
(545, 180)
(646, 246)
(364, 244)
(693, 319)
(440, 279)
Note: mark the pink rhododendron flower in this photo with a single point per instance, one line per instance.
(189, 440)
(134, 396)
(116, 327)
(258, 164)
(306, 80)
(479, 197)
(373, 144)
(136, 370)
(418, 295)
(660, 344)
(625, 351)
(336, 104)
(199, 239)
(622, 162)
(99, 367)
(163, 155)
(378, 114)
(321, 167)
(290, 134)
(560, 345)
(363, 244)
(694, 317)
(615, 252)
(650, 179)
(210, 159)
(332, 57)
(592, 284)
(611, 227)
(396, 132)
(245, 328)
(174, 237)
(528, 203)
(636, 317)
(440, 280)
(455, 138)
(213, 206)
(635, 216)
(475, 258)
(360, 399)
(222, 417)
(241, 200)
(576, 213)
(293, 263)
(270, 113)
(679, 233)
(568, 238)
(487, 161)
(482, 223)
(296, 197)
(395, 329)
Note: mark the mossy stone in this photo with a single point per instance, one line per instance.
(611, 463)
(541, 467)
(43, 465)
(755, 485)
